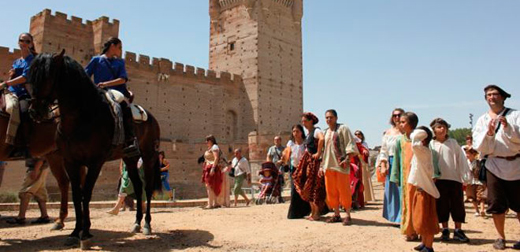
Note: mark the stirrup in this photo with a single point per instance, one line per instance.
(132, 149)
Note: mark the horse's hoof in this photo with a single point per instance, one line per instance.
(147, 230)
(71, 241)
(57, 226)
(136, 229)
(86, 244)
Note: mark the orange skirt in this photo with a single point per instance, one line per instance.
(424, 214)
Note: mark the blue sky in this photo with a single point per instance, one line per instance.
(362, 58)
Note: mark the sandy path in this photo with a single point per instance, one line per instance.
(255, 228)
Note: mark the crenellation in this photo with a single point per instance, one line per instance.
(190, 71)
(225, 77)
(165, 65)
(60, 15)
(179, 68)
(201, 72)
(144, 60)
(130, 57)
(76, 20)
(211, 75)
(237, 78)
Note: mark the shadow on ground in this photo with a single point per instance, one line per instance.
(119, 241)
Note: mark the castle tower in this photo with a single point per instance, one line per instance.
(52, 33)
(262, 41)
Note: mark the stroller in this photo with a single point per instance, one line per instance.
(271, 189)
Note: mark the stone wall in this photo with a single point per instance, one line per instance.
(252, 92)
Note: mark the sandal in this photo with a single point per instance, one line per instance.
(347, 221)
(41, 220)
(333, 219)
(410, 238)
(16, 220)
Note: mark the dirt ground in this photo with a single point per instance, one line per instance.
(253, 228)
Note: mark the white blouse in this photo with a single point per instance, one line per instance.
(388, 145)
(421, 172)
(297, 151)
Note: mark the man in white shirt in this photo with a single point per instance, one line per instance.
(497, 136)
(274, 154)
(242, 171)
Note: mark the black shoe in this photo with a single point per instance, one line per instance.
(459, 235)
(16, 220)
(420, 247)
(445, 234)
(500, 244)
(516, 245)
(426, 249)
(132, 149)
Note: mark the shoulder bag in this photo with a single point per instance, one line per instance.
(483, 170)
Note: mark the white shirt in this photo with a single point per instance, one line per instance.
(242, 166)
(297, 151)
(505, 143)
(452, 160)
(388, 145)
(421, 172)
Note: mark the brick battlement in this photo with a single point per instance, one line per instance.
(5, 53)
(232, 3)
(165, 68)
(59, 16)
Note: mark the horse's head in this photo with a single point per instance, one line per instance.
(43, 75)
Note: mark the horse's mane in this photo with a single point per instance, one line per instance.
(70, 76)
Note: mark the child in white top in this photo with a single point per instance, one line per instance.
(424, 214)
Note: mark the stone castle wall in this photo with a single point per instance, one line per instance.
(188, 102)
(252, 92)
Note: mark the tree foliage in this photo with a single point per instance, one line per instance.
(460, 134)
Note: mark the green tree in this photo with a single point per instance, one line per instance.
(460, 134)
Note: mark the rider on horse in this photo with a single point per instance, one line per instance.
(18, 92)
(110, 73)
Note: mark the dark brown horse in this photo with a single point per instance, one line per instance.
(41, 143)
(85, 135)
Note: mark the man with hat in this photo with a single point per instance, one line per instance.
(497, 136)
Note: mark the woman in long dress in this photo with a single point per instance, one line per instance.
(392, 194)
(367, 175)
(308, 181)
(402, 164)
(292, 155)
(212, 173)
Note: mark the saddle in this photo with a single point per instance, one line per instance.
(138, 112)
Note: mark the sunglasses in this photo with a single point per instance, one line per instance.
(396, 115)
(24, 41)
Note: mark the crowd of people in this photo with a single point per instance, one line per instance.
(425, 172)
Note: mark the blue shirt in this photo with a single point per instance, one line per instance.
(21, 68)
(105, 69)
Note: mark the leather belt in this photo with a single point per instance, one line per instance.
(510, 158)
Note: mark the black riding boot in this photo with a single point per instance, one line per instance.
(131, 145)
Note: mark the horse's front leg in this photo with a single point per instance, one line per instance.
(73, 171)
(58, 170)
(90, 180)
(133, 174)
